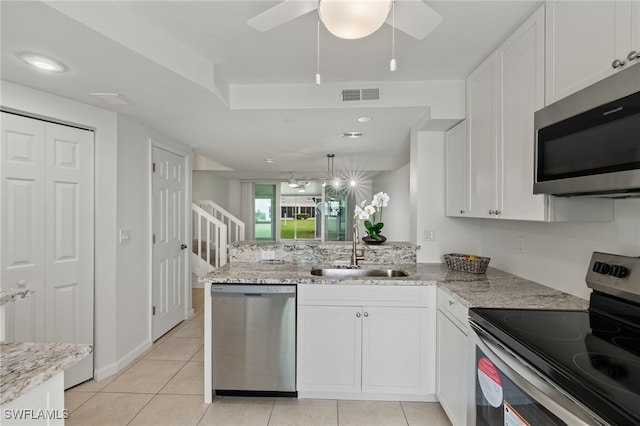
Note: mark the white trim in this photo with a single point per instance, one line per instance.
(186, 154)
(132, 355)
(361, 396)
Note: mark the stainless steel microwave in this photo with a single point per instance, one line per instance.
(588, 144)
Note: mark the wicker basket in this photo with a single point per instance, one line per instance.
(459, 262)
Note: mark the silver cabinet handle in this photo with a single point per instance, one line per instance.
(22, 283)
(617, 63)
(366, 314)
(461, 211)
(491, 212)
(451, 303)
(633, 55)
(357, 314)
(497, 212)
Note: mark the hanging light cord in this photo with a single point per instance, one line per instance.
(318, 55)
(392, 64)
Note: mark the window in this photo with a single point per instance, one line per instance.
(264, 202)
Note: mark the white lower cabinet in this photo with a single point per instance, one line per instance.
(358, 348)
(452, 358)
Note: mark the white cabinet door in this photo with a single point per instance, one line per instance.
(481, 122)
(456, 170)
(452, 370)
(521, 60)
(329, 348)
(394, 348)
(583, 38)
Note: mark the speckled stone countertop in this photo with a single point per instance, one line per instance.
(305, 252)
(23, 366)
(8, 295)
(495, 289)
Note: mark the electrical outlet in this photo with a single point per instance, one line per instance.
(429, 235)
(520, 244)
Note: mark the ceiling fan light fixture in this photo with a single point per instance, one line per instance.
(353, 19)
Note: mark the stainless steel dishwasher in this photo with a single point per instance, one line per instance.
(254, 339)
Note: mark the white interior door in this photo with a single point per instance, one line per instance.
(69, 242)
(47, 218)
(23, 210)
(169, 241)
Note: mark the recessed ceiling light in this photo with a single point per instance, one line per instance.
(352, 134)
(43, 63)
(269, 160)
(365, 119)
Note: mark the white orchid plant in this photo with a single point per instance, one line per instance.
(369, 213)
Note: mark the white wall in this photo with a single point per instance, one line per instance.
(396, 216)
(104, 122)
(133, 285)
(426, 184)
(207, 185)
(557, 254)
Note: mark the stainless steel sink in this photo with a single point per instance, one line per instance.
(357, 272)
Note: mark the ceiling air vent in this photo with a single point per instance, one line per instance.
(349, 95)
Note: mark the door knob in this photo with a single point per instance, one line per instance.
(183, 246)
(633, 55)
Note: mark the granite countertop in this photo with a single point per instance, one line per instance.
(495, 289)
(8, 295)
(23, 366)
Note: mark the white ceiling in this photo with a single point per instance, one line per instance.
(183, 64)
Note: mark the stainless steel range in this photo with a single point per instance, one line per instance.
(559, 366)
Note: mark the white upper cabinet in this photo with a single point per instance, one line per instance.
(520, 94)
(456, 170)
(502, 95)
(587, 41)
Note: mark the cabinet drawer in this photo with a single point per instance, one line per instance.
(453, 308)
(377, 295)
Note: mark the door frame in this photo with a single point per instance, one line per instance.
(188, 308)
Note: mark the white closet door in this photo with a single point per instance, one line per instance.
(69, 242)
(22, 214)
(46, 215)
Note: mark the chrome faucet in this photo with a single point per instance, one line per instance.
(355, 257)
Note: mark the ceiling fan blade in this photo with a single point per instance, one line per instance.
(281, 13)
(415, 18)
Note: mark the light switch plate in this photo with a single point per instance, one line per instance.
(125, 235)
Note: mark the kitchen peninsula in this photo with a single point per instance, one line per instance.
(427, 290)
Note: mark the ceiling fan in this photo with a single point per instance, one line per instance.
(413, 17)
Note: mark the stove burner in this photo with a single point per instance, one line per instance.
(545, 328)
(630, 344)
(614, 371)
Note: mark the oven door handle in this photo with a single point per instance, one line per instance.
(553, 398)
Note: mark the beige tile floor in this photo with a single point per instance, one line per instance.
(164, 386)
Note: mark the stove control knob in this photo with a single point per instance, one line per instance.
(619, 271)
(601, 268)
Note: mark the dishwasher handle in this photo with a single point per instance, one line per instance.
(252, 290)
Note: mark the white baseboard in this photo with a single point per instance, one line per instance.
(115, 367)
(132, 355)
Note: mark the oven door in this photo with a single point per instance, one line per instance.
(509, 392)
